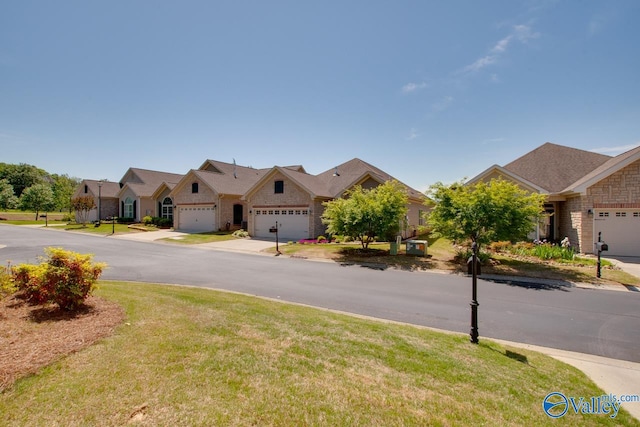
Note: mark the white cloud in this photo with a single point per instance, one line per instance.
(522, 33)
(480, 64)
(502, 45)
(443, 104)
(413, 134)
(615, 150)
(412, 87)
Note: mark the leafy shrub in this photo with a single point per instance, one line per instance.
(66, 278)
(321, 239)
(240, 233)
(463, 254)
(122, 220)
(7, 285)
(500, 246)
(147, 220)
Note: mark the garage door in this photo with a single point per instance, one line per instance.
(196, 219)
(293, 224)
(620, 229)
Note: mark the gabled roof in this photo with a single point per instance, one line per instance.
(161, 188)
(353, 172)
(309, 183)
(606, 169)
(334, 182)
(108, 190)
(225, 178)
(144, 182)
(555, 167)
(502, 171)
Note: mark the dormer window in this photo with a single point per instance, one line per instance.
(279, 187)
(194, 187)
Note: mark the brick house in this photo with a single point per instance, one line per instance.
(104, 194)
(141, 193)
(221, 195)
(588, 195)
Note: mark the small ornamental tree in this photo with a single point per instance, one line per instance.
(363, 214)
(82, 206)
(65, 278)
(7, 199)
(484, 212)
(38, 197)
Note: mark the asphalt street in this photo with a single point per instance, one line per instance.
(599, 322)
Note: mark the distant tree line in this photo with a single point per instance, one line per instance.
(30, 188)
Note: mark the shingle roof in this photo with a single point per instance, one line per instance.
(151, 180)
(555, 167)
(609, 165)
(350, 172)
(109, 189)
(232, 179)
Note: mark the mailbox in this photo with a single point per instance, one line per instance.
(602, 247)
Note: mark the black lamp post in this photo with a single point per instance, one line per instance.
(99, 201)
(474, 294)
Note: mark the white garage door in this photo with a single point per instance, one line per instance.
(620, 229)
(293, 224)
(196, 219)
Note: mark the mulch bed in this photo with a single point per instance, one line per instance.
(33, 336)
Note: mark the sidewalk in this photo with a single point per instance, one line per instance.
(617, 377)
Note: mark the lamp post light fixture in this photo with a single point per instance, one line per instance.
(99, 201)
(474, 294)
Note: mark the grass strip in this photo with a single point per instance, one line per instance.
(189, 356)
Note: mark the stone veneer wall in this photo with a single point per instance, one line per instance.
(293, 195)
(621, 189)
(571, 218)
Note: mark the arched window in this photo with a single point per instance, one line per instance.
(167, 208)
(128, 208)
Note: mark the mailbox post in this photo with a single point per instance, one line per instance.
(474, 294)
(275, 230)
(600, 247)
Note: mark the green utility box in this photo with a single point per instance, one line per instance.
(417, 247)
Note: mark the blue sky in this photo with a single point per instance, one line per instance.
(426, 90)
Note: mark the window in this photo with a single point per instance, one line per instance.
(86, 189)
(279, 187)
(603, 214)
(167, 208)
(636, 214)
(194, 187)
(128, 208)
(421, 217)
(621, 214)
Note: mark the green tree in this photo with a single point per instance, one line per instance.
(7, 199)
(63, 188)
(38, 197)
(22, 176)
(82, 205)
(484, 212)
(363, 214)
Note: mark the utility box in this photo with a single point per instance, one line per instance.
(417, 247)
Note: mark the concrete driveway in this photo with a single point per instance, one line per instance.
(627, 263)
(234, 245)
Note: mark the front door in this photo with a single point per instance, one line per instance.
(237, 214)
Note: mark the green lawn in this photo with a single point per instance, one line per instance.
(189, 356)
(197, 238)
